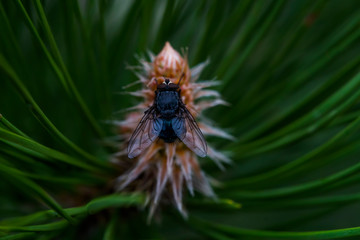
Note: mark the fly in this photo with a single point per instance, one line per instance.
(167, 119)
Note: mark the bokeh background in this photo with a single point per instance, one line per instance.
(289, 69)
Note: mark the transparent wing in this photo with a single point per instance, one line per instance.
(145, 133)
(187, 130)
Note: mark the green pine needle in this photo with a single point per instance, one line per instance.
(289, 69)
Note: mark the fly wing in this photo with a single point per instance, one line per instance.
(145, 133)
(187, 130)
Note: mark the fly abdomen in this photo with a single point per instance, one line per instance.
(167, 133)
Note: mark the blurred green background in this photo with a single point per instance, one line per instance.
(289, 69)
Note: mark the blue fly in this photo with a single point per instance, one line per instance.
(167, 119)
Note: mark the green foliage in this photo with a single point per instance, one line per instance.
(289, 69)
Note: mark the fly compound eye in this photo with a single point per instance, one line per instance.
(162, 86)
(173, 86)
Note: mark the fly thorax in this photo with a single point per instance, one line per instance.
(167, 103)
